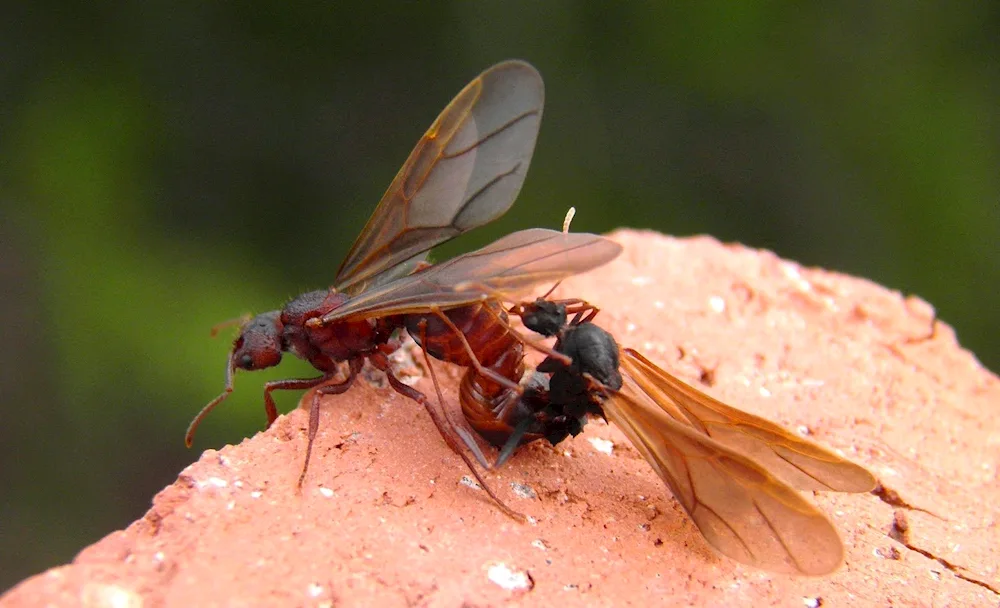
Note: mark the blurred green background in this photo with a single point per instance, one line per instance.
(166, 166)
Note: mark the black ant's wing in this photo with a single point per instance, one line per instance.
(465, 171)
(798, 462)
(512, 263)
(741, 509)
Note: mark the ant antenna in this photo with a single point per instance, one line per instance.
(230, 370)
(240, 320)
(570, 214)
(569, 218)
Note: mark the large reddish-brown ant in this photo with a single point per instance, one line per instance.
(465, 171)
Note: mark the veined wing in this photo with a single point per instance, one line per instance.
(465, 171)
(512, 263)
(743, 511)
(796, 461)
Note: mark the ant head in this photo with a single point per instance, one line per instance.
(259, 345)
(544, 317)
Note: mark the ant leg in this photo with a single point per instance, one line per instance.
(330, 389)
(464, 435)
(443, 425)
(538, 345)
(292, 384)
(512, 442)
(583, 311)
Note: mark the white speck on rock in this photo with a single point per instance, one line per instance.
(470, 482)
(326, 492)
(510, 580)
(602, 445)
(114, 596)
(256, 494)
(717, 304)
(315, 590)
(539, 544)
(523, 490)
(213, 482)
(642, 281)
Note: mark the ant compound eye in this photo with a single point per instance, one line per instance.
(245, 362)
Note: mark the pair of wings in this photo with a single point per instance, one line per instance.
(466, 171)
(735, 474)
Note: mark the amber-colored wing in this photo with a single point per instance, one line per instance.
(514, 262)
(464, 172)
(796, 461)
(742, 509)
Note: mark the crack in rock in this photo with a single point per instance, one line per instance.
(893, 499)
(900, 532)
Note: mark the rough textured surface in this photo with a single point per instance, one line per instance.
(385, 517)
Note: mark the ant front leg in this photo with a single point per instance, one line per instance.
(292, 384)
(329, 389)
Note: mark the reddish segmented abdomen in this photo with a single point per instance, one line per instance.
(484, 326)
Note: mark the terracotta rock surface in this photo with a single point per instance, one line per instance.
(385, 518)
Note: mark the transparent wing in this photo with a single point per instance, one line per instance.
(742, 510)
(796, 461)
(512, 263)
(464, 172)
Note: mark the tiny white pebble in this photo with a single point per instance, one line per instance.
(523, 490)
(602, 445)
(315, 590)
(630, 327)
(159, 556)
(791, 271)
(231, 505)
(470, 482)
(217, 482)
(717, 304)
(811, 602)
(99, 594)
(327, 492)
(641, 281)
(510, 580)
(803, 430)
(539, 544)
(764, 392)
(256, 494)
